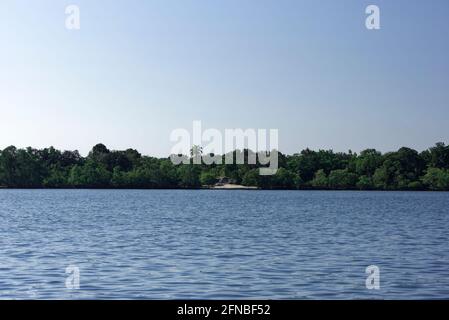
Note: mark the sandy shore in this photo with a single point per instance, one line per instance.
(229, 186)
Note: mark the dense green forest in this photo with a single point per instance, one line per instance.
(405, 169)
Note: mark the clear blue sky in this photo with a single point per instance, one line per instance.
(139, 69)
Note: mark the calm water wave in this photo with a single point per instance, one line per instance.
(176, 244)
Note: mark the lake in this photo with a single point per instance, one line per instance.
(212, 244)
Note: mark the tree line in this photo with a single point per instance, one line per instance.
(405, 169)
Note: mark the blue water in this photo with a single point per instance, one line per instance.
(181, 244)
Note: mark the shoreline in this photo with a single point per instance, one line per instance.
(237, 187)
(230, 186)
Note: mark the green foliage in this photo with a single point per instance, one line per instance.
(436, 179)
(56, 178)
(367, 162)
(119, 178)
(415, 185)
(320, 181)
(365, 183)
(207, 178)
(405, 169)
(251, 178)
(439, 156)
(342, 179)
(189, 176)
(92, 174)
(21, 168)
(286, 179)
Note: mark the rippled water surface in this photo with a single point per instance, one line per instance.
(176, 244)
